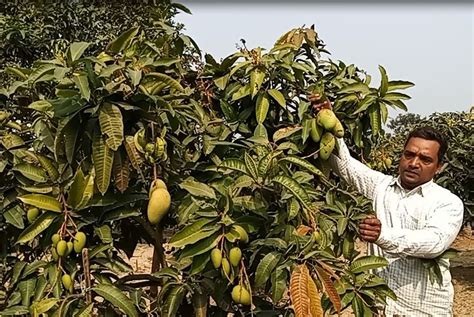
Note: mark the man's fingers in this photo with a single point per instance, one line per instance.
(369, 226)
(371, 221)
(369, 233)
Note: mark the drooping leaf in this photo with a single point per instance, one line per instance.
(121, 171)
(39, 225)
(256, 80)
(193, 233)
(111, 124)
(261, 107)
(43, 306)
(266, 267)
(278, 278)
(135, 158)
(76, 50)
(366, 263)
(299, 292)
(399, 84)
(278, 96)
(82, 83)
(48, 165)
(171, 82)
(117, 298)
(173, 301)
(383, 81)
(314, 299)
(32, 172)
(42, 202)
(294, 187)
(15, 311)
(122, 42)
(198, 189)
(329, 288)
(104, 233)
(102, 157)
(201, 247)
(304, 164)
(27, 290)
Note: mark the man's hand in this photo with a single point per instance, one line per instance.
(318, 102)
(370, 229)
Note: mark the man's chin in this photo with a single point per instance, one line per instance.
(409, 182)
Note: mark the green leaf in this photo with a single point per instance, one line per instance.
(365, 103)
(102, 157)
(27, 290)
(256, 80)
(234, 164)
(285, 132)
(294, 187)
(43, 306)
(193, 233)
(76, 50)
(375, 119)
(251, 165)
(42, 202)
(278, 96)
(198, 189)
(117, 298)
(171, 82)
(48, 165)
(173, 301)
(279, 279)
(383, 82)
(17, 270)
(304, 164)
(32, 172)
(76, 191)
(293, 208)
(265, 163)
(122, 42)
(104, 233)
(39, 225)
(86, 311)
(262, 106)
(135, 76)
(221, 82)
(266, 267)
(121, 213)
(14, 216)
(82, 83)
(357, 87)
(41, 106)
(15, 311)
(40, 71)
(201, 247)
(392, 96)
(199, 263)
(399, 84)
(366, 263)
(41, 284)
(111, 124)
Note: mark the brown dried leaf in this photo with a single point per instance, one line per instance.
(132, 152)
(315, 299)
(121, 171)
(303, 230)
(329, 288)
(299, 291)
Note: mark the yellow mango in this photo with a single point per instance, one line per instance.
(326, 118)
(157, 183)
(225, 267)
(235, 254)
(70, 247)
(326, 146)
(240, 295)
(158, 205)
(55, 239)
(32, 213)
(316, 131)
(79, 241)
(61, 248)
(242, 233)
(67, 282)
(388, 162)
(216, 258)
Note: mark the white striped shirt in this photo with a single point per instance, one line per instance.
(420, 223)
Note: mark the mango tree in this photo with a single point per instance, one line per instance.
(102, 152)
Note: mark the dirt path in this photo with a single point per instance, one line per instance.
(462, 270)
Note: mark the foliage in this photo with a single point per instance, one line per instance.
(238, 162)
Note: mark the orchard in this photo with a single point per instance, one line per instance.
(221, 166)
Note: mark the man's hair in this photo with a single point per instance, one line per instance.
(430, 133)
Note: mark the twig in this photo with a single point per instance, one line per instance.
(87, 274)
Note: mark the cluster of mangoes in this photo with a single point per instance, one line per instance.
(62, 248)
(230, 264)
(324, 128)
(159, 201)
(380, 161)
(152, 150)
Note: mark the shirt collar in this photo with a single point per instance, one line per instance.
(422, 189)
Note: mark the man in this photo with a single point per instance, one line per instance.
(415, 219)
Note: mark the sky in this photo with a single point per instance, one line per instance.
(431, 45)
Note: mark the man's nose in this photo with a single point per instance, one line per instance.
(415, 162)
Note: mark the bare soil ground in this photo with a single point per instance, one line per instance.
(462, 271)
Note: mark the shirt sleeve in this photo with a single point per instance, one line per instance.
(435, 238)
(354, 172)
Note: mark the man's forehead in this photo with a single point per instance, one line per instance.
(422, 145)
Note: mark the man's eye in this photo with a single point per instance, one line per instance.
(408, 155)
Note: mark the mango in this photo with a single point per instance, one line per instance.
(149, 148)
(158, 205)
(55, 239)
(216, 258)
(326, 118)
(79, 242)
(67, 282)
(61, 248)
(316, 131)
(388, 162)
(242, 233)
(225, 267)
(235, 254)
(338, 129)
(157, 183)
(32, 213)
(240, 295)
(70, 247)
(54, 254)
(327, 145)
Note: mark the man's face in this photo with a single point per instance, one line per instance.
(419, 162)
